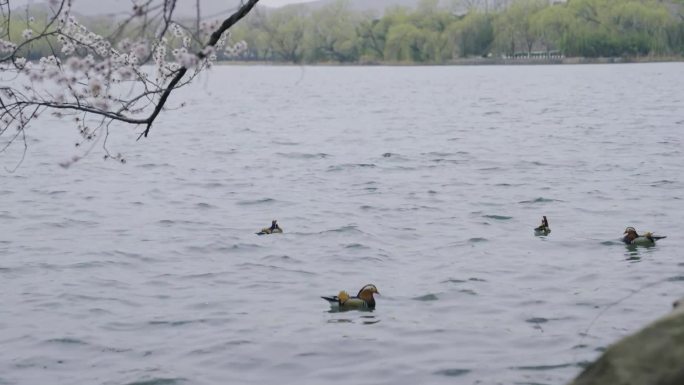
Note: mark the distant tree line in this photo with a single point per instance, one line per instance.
(470, 28)
(433, 34)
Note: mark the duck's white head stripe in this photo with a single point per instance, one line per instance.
(369, 287)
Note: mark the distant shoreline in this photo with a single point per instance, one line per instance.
(474, 62)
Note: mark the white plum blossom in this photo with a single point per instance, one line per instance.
(20, 62)
(49, 61)
(188, 60)
(7, 46)
(91, 77)
(95, 87)
(68, 48)
(126, 73)
(177, 30)
(237, 49)
(89, 61)
(101, 103)
(140, 51)
(207, 51)
(75, 64)
(125, 44)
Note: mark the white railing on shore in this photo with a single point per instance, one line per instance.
(535, 56)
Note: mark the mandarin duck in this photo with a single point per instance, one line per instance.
(633, 238)
(274, 229)
(363, 300)
(544, 228)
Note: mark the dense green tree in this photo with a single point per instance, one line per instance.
(372, 38)
(404, 42)
(374, 32)
(331, 34)
(434, 22)
(675, 38)
(642, 26)
(514, 29)
(551, 26)
(284, 33)
(472, 35)
(617, 28)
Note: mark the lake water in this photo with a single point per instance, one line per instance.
(425, 181)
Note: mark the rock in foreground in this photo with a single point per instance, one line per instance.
(652, 356)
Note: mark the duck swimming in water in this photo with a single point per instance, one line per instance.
(544, 228)
(274, 229)
(633, 238)
(363, 300)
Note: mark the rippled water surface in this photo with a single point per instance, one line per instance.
(424, 181)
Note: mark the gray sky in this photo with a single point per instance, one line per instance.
(278, 3)
(100, 6)
(103, 4)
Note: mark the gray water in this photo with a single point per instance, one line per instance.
(424, 181)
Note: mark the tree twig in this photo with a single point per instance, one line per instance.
(215, 36)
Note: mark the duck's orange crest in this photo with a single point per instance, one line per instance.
(343, 296)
